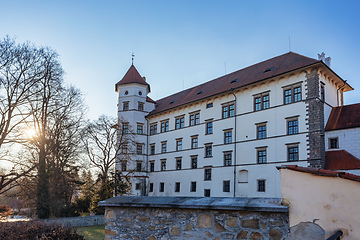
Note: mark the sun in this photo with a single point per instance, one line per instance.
(30, 133)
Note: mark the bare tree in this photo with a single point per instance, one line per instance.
(103, 144)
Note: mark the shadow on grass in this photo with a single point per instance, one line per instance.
(93, 232)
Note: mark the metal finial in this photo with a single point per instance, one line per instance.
(132, 58)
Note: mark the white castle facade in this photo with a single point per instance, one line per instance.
(224, 138)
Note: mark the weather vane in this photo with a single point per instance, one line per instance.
(132, 58)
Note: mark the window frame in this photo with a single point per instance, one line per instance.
(194, 142)
(151, 187)
(178, 162)
(162, 187)
(152, 149)
(126, 106)
(291, 95)
(138, 186)
(163, 147)
(334, 140)
(207, 174)
(141, 106)
(164, 125)
(292, 129)
(261, 101)
(261, 156)
(153, 129)
(163, 165)
(227, 136)
(209, 127)
(194, 119)
(138, 166)
(179, 122)
(193, 186)
(178, 145)
(207, 192)
(291, 154)
(227, 160)
(208, 150)
(228, 110)
(139, 149)
(177, 186)
(125, 128)
(194, 162)
(123, 166)
(152, 166)
(261, 185)
(226, 186)
(261, 132)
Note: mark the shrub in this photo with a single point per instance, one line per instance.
(34, 230)
(4, 211)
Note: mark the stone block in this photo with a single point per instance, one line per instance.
(110, 214)
(242, 235)
(255, 235)
(209, 234)
(109, 232)
(175, 231)
(231, 222)
(227, 236)
(151, 227)
(218, 227)
(306, 230)
(204, 221)
(275, 234)
(250, 223)
(143, 219)
(152, 237)
(189, 227)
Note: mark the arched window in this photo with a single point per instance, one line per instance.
(243, 176)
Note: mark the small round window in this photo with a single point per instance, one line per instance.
(126, 92)
(140, 93)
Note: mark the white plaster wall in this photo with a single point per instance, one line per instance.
(331, 200)
(247, 143)
(348, 139)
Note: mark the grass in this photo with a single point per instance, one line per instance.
(93, 232)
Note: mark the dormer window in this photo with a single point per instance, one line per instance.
(200, 92)
(234, 81)
(269, 69)
(172, 102)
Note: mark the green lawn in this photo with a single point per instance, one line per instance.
(93, 232)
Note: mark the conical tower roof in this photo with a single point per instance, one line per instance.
(132, 76)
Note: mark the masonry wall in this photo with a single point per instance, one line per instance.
(175, 223)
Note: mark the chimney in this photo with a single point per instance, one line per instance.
(144, 79)
(327, 60)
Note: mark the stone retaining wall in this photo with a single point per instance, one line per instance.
(194, 222)
(78, 221)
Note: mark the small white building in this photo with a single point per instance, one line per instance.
(224, 138)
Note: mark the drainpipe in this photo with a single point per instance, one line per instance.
(232, 91)
(147, 154)
(337, 92)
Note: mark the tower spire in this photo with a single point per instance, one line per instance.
(132, 58)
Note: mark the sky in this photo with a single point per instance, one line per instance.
(180, 44)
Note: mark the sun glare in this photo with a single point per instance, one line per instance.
(30, 133)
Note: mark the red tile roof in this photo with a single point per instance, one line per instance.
(321, 172)
(267, 69)
(132, 76)
(343, 117)
(341, 160)
(148, 99)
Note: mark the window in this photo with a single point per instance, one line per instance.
(139, 166)
(162, 187)
(209, 128)
(261, 185)
(139, 148)
(261, 102)
(261, 156)
(292, 94)
(227, 137)
(292, 126)
(206, 192)
(123, 166)
(227, 159)
(179, 122)
(138, 186)
(177, 187)
(152, 166)
(178, 164)
(179, 145)
(152, 149)
(194, 162)
(165, 126)
(208, 150)
(140, 106)
(194, 142)
(293, 153)
(163, 147)
(261, 131)
(193, 187)
(228, 110)
(322, 92)
(194, 119)
(333, 143)
(243, 176)
(151, 187)
(153, 129)
(209, 105)
(125, 128)
(207, 174)
(163, 165)
(139, 129)
(226, 186)
(124, 148)
(125, 106)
